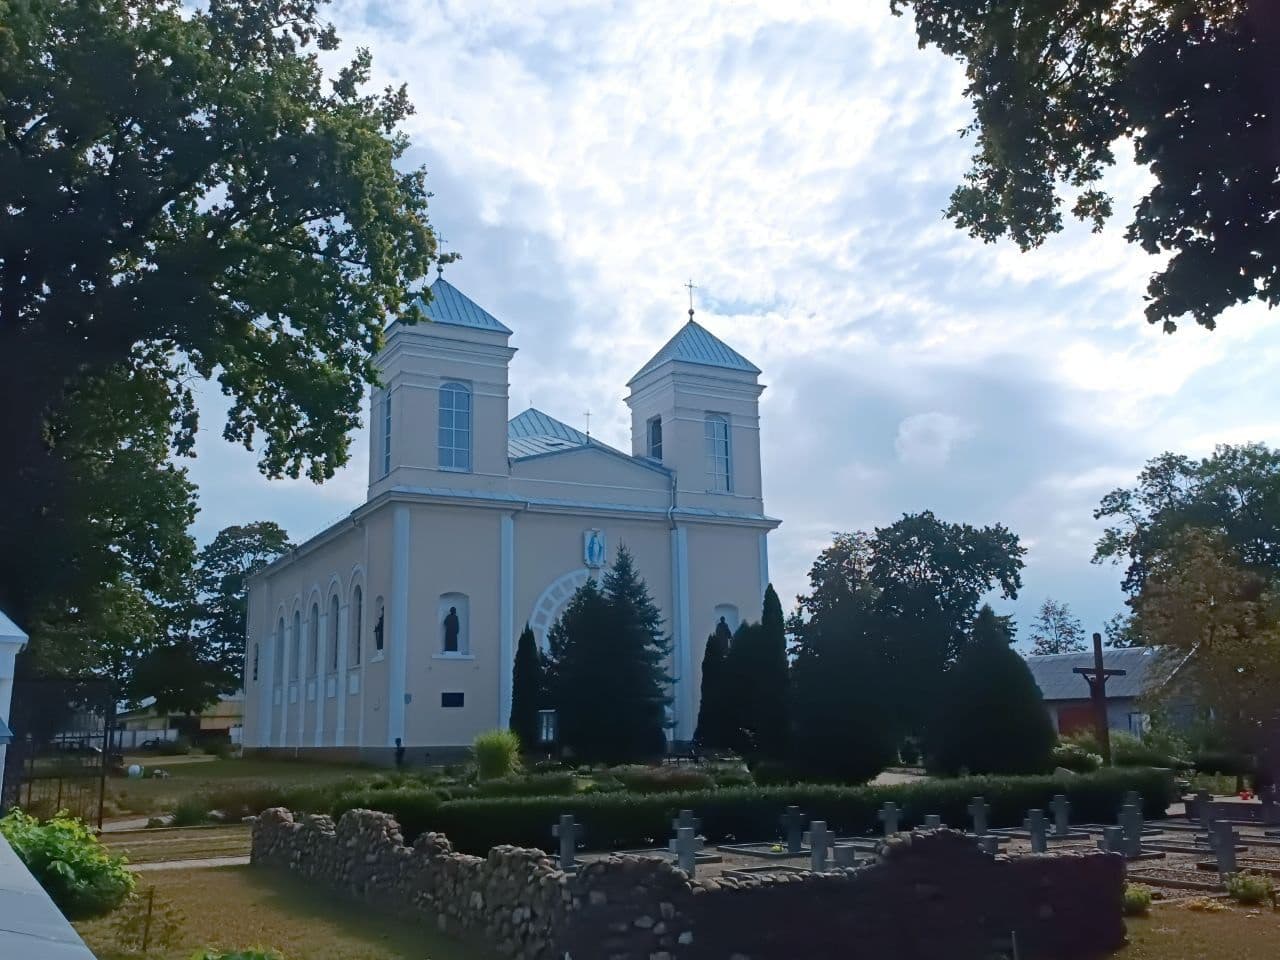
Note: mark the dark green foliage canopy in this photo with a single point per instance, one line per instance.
(606, 671)
(526, 689)
(992, 718)
(187, 195)
(715, 730)
(759, 685)
(1195, 87)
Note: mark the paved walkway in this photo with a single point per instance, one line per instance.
(190, 864)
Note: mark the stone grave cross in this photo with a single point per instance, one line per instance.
(932, 821)
(1112, 840)
(1224, 845)
(566, 831)
(686, 846)
(686, 819)
(1039, 831)
(889, 815)
(793, 823)
(1131, 824)
(989, 843)
(1061, 808)
(979, 810)
(844, 855)
(819, 841)
(1204, 811)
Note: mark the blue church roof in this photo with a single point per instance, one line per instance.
(533, 433)
(695, 344)
(449, 305)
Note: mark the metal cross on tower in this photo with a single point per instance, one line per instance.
(691, 287)
(1096, 676)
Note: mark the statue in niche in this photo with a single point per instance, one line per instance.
(377, 631)
(451, 625)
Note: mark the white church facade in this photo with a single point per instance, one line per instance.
(400, 621)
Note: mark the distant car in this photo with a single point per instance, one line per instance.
(155, 743)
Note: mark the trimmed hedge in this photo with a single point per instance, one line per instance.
(626, 820)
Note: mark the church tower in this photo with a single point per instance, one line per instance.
(695, 408)
(439, 420)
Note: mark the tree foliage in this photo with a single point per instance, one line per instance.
(1194, 87)
(716, 727)
(186, 196)
(527, 689)
(993, 718)
(1055, 629)
(606, 668)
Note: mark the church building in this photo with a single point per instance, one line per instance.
(399, 622)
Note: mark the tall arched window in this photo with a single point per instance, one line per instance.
(379, 627)
(277, 654)
(295, 645)
(313, 648)
(357, 620)
(333, 634)
(386, 432)
(255, 662)
(455, 427)
(719, 471)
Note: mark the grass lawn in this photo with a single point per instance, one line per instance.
(1174, 932)
(239, 907)
(191, 775)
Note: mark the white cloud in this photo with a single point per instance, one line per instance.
(927, 439)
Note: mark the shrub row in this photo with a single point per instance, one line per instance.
(627, 820)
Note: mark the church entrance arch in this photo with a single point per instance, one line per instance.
(553, 600)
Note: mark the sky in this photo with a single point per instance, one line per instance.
(793, 160)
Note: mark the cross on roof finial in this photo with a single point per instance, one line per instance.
(440, 257)
(587, 414)
(691, 287)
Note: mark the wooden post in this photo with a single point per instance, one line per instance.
(1096, 676)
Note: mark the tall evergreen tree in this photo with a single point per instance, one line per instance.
(714, 709)
(607, 668)
(992, 717)
(773, 687)
(526, 689)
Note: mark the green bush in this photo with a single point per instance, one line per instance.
(78, 872)
(1137, 900)
(665, 779)
(1223, 763)
(627, 820)
(560, 784)
(730, 775)
(1075, 758)
(416, 809)
(497, 754)
(178, 747)
(1250, 888)
(1128, 751)
(909, 752)
(771, 773)
(191, 811)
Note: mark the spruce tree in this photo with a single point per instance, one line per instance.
(714, 718)
(607, 676)
(772, 680)
(526, 690)
(992, 717)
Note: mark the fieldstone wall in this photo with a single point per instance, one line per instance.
(926, 895)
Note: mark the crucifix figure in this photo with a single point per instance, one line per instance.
(1096, 676)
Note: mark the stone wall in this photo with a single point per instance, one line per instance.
(926, 895)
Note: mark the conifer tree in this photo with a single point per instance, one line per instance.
(714, 708)
(607, 658)
(772, 687)
(992, 717)
(526, 690)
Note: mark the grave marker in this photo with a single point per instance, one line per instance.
(978, 811)
(686, 819)
(1204, 810)
(1112, 840)
(1224, 846)
(989, 844)
(889, 815)
(1038, 829)
(844, 855)
(793, 823)
(1131, 824)
(932, 821)
(686, 846)
(819, 841)
(567, 832)
(1061, 808)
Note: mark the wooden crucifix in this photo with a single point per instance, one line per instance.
(1096, 676)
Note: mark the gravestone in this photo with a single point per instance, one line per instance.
(1039, 831)
(889, 815)
(793, 823)
(566, 831)
(1132, 798)
(844, 855)
(1131, 824)
(1112, 840)
(1204, 809)
(978, 812)
(686, 819)
(1224, 846)
(819, 841)
(989, 844)
(1061, 808)
(932, 822)
(686, 846)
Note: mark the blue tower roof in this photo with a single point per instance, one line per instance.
(449, 305)
(695, 344)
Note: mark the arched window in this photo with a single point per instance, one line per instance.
(719, 467)
(295, 645)
(255, 662)
(379, 627)
(455, 622)
(277, 654)
(654, 430)
(313, 647)
(357, 624)
(333, 634)
(386, 432)
(455, 427)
